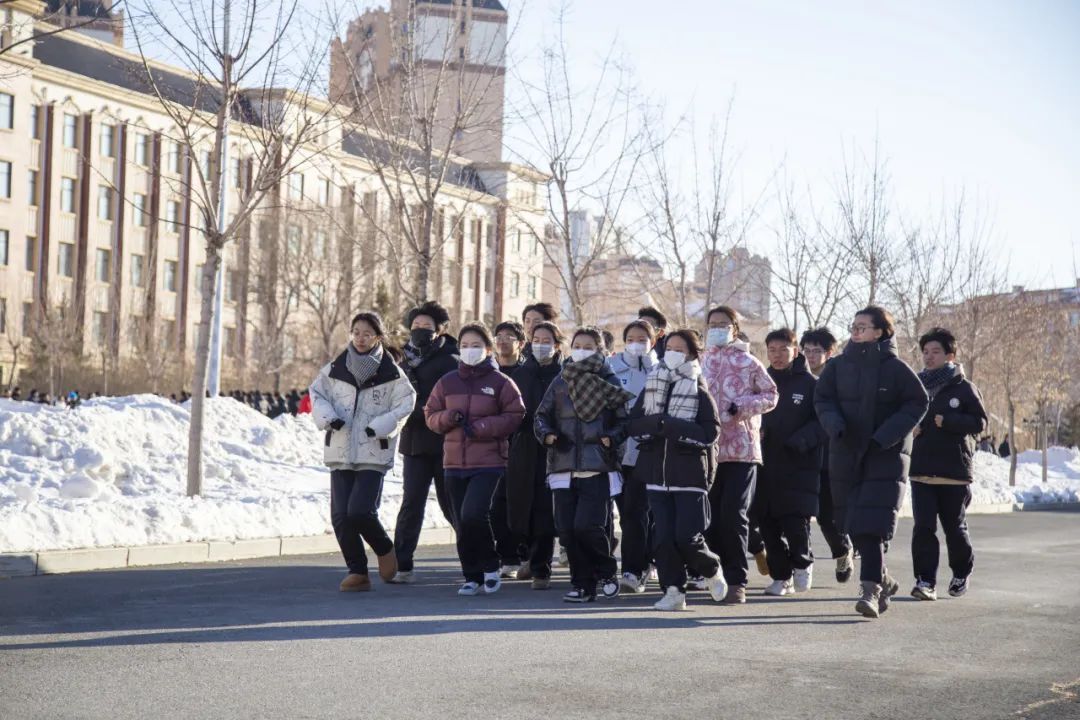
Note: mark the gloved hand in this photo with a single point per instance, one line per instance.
(458, 418)
(369, 432)
(733, 409)
(337, 424)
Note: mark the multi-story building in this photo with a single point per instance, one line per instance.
(738, 279)
(98, 219)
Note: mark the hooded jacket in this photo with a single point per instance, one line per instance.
(869, 401)
(733, 375)
(947, 451)
(417, 438)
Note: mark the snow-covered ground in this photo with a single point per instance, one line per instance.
(112, 473)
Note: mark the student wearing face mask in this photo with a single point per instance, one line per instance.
(941, 471)
(530, 511)
(659, 321)
(477, 409)
(743, 392)
(631, 367)
(509, 342)
(429, 354)
(582, 422)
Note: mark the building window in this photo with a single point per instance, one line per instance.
(5, 247)
(102, 265)
(142, 149)
(206, 166)
(321, 245)
(3, 316)
(31, 254)
(105, 203)
(232, 285)
(292, 240)
(470, 277)
(27, 319)
(536, 244)
(515, 285)
(5, 179)
(65, 260)
(137, 271)
(533, 295)
(101, 327)
(7, 111)
(67, 194)
(32, 187)
(174, 158)
(139, 214)
(324, 192)
(517, 241)
(488, 276)
(296, 186)
(35, 122)
(172, 215)
(230, 342)
(170, 275)
(237, 173)
(106, 142)
(70, 130)
(199, 269)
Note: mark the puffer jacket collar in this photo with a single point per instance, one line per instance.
(488, 366)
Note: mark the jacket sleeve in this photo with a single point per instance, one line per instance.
(641, 425)
(913, 404)
(438, 418)
(702, 431)
(322, 408)
(827, 404)
(544, 423)
(763, 399)
(617, 431)
(402, 402)
(511, 413)
(971, 422)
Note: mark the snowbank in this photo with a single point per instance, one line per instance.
(113, 473)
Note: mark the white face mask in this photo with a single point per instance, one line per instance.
(542, 352)
(581, 354)
(636, 349)
(717, 337)
(473, 355)
(674, 359)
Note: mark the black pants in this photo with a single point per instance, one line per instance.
(872, 557)
(839, 543)
(948, 502)
(471, 492)
(635, 523)
(787, 541)
(729, 531)
(418, 472)
(354, 513)
(582, 517)
(541, 544)
(678, 543)
(508, 544)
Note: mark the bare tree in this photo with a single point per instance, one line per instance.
(276, 124)
(55, 336)
(15, 341)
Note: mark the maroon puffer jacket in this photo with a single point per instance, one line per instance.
(491, 406)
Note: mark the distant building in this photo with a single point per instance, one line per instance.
(98, 19)
(738, 279)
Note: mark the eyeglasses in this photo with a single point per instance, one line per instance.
(363, 335)
(857, 329)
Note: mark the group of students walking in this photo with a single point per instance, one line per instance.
(710, 456)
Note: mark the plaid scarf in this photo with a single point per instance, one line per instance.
(363, 365)
(935, 380)
(683, 401)
(590, 393)
(415, 356)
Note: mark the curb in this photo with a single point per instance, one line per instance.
(51, 562)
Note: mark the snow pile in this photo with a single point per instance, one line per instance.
(1062, 475)
(112, 472)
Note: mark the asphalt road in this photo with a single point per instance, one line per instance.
(274, 639)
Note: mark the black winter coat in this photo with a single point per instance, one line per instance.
(527, 465)
(416, 437)
(869, 401)
(577, 446)
(673, 452)
(791, 444)
(947, 451)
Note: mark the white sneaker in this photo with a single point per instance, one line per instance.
(924, 591)
(403, 577)
(509, 572)
(779, 588)
(469, 588)
(717, 586)
(560, 559)
(652, 575)
(804, 579)
(492, 582)
(672, 600)
(631, 583)
(696, 583)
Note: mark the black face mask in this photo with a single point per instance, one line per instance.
(422, 338)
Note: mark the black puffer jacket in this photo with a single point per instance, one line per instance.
(417, 438)
(869, 401)
(578, 447)
(527, 465)
(947, 451)
(676, 453)
(791, 445)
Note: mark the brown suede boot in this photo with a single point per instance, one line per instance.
(762, 561)
(388, 566)
(736, 595)
(355, 582)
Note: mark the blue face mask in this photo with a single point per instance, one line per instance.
(718, 337)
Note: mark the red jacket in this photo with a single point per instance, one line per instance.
(491, 409)
(305, 405)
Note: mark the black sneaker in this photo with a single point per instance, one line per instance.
(609, 587)
(579, 595)
(958, 586)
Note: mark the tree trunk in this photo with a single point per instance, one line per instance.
(198, 382)
(1012, 444)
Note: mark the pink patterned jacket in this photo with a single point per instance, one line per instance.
(736, 376)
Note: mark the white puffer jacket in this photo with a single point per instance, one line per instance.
(383, 404)
(632, 373)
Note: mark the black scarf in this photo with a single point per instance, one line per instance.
(935, 380)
